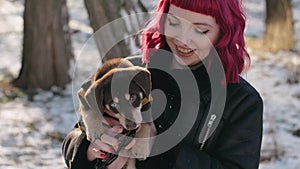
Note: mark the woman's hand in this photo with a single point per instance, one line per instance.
(108, 143)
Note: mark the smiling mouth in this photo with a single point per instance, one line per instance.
(185, 52)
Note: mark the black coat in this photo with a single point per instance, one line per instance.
(233, 142)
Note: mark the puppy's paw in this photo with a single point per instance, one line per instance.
(92, 123)
(141, 150)
(93, 134)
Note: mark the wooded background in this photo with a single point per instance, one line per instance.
(47, 47)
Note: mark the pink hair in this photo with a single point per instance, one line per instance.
(228, 15)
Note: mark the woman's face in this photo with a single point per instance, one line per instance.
(190, 35)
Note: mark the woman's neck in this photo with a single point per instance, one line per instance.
(176, 65)
(196, 66)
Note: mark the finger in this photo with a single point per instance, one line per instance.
(98, 154)
(131, 144)
(115, 130)
(110, 140)
(112, 123)
(124, 154)
(94, 153)
(100, 145)
(118, 128)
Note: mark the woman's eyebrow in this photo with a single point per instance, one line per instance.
(195, 23)
(202, 24)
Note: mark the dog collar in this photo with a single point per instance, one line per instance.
(145, 101)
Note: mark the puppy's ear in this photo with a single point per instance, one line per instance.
(83, 103)
(143, 80)
(94, 97)
(111, 64)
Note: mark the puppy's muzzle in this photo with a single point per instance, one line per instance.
(131, 125)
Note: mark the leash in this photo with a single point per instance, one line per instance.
(112, 157)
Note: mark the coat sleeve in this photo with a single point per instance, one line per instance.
(238, 144)
(74, 150)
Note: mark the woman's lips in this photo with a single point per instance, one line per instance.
(184, 52)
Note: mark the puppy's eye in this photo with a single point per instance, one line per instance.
(113, 104)
(133, 98)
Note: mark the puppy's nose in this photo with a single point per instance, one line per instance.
(130, 125)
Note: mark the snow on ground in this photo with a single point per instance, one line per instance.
(32, 127)
(272, 76)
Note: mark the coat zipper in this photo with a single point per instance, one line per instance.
(209, 125)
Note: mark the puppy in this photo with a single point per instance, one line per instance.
(121, 91)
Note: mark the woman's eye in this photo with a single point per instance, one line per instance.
(201, 31)
(172, 22)
(113, 104)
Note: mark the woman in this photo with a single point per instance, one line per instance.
(224, 132)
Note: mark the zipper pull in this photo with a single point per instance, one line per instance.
(211, 120)
(209, 125)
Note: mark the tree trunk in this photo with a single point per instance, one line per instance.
(110, 27)
(103, 12)
(279, 25)
(46, 45)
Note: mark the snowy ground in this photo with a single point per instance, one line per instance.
(32, 128)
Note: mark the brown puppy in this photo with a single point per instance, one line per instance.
(121, 91)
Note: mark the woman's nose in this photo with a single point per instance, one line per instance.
(183, 37)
